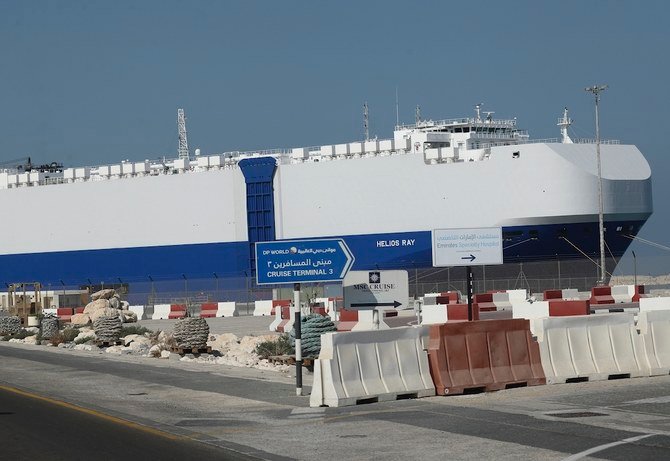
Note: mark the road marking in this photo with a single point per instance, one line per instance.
(95, 413)
(590, 451)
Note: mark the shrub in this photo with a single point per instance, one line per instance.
(134, 330)
(57, 339)
(280, 346)
(69, 334)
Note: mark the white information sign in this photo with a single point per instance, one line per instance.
(376, 290)
(467, 247)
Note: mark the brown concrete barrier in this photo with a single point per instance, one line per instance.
(561, 308)
(487, 355)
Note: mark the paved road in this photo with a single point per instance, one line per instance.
(39, 428)
(258, 413)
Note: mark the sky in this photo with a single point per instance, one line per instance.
(95, 82)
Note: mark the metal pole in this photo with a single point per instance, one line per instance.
(596, 90)
(469, 289)
(298, 338)
(634, 269)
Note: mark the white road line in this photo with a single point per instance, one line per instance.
(590, 451)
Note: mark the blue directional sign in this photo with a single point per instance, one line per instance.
(302, 261)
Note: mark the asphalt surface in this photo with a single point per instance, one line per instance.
(257, 413)
(38, 428)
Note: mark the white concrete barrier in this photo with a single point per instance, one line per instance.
(502, 302)
(227, 309)
(370, 320)
(527, 310)
(161, 312)
(139, 311)
(589, 347)
(433, 314)
(262, 308)
(381, 365)
(517, 295)
(620, 293)
(654, 328)
(654, 304)
(570, 294)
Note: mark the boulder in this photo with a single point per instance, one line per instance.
(84, 336)
(103, 294)
(248, 343)
(223, 342)
(114, 303)
(125, 305)
(128, 316)
(96, 305)
(155, 351)
(139, 339)
(108, 312)
(80, 319)
(165, 354)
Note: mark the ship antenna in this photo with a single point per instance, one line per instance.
(417, 114)
(478, 109)
(181, 131)
(365, 121)
(564, 123)
(397, 114)
(596, 90)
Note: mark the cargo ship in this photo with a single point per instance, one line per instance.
(198, 217)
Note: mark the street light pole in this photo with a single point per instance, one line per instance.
(634, 269)
(596, 90)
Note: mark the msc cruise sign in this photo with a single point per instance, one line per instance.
(302, 261)
(467, 247)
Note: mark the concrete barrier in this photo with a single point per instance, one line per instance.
(284, 320)
(589, 347)
(443, 313)
(654, 328)
(570, 294)
(654, 304)
(502, 302)
(622, 294)
(65, 313)
(227, 309)
(208, 310)
(485, 302)
(517, 295)
(527, 310)
(177, 311)
(161, 312)
(262, 307)
(601, 295)
(139, 311)
(370, 320)
(562, 308)
(371, 366)
(487, 355)
(553, 294)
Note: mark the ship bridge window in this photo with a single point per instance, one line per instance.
(466, 129)
(534, 234)
(516, 154)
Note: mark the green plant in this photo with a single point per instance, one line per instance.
(280, 346)
(69, 334)
(57, 339)
(134, 330)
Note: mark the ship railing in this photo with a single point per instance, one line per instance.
(593, 141)
(456, 121)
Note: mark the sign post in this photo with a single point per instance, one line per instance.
(301, 261)
(375, 289)
(467, 247)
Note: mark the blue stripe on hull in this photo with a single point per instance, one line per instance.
(229, 260)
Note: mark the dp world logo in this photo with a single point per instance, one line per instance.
(374, 277)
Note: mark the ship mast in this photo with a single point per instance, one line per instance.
(564, 123)
(366, 115)
(181, 132)
(596, 90)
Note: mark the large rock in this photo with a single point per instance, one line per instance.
(139, 339)
(103, 294)
(128, 316)
(223, 342)
(108, 312)
(96, 306)
(114, 302)
(248, 343)
(80, 319)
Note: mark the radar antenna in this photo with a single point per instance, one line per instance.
(564, 123)
(365, 121)
(181, 131)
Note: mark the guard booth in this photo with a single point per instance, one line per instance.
(24, 300)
